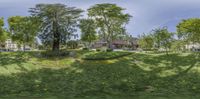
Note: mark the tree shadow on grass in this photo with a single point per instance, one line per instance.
(82, 79)
(10, 59)
(121, 77)
(160, 62)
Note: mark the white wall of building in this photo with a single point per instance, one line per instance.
(9, 45)
(193, 47)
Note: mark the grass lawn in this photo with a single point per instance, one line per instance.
(105, 55)
(136, 76)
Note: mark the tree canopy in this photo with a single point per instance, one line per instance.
(88, 33)
(162, 38)
(146, 41)
(189, 30)
(3, 33)
(110, 20)
(24, 29)
(58, 23)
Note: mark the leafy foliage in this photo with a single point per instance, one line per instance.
(72, 44)
(86, 49)
(88, 33)
(178, 45)
(146, 41)
(3, 33)
(189, 31)
(162, 37)
(24, 29)
(58, 23)
(48, 54)
(110, 20)
(109, 49)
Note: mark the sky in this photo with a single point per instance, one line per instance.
(147, 14)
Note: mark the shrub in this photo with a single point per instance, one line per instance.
(98, 50)
(72, 44)
(105, 55)
(85, 49)
(53, 54)
(109, 50)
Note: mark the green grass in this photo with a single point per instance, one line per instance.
(136, 76)
(105, 55)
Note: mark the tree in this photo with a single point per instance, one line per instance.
(24, 29)
(162, 38)
(88, 27)
(72, 44)
(178, 45)
(3, 33)
(188, 30)
(146, 41)
(110, 20)
(58, 23)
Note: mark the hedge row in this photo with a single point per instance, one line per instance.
(105, 55)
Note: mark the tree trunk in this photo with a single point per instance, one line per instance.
(109, 44)
(166, 51)
(89, 45)
(24, 47)
(56, 35)
(56, 42)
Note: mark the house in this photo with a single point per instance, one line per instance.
(193, 47)
(99, 44)
(131, 43)
(10, 45)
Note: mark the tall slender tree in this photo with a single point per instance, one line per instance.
(146, 41)
(58, 23)
(3, 33)
(162, 38)
(88, 33)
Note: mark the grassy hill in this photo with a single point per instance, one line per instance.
(138, 75)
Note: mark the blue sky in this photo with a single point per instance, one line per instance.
(147, 14)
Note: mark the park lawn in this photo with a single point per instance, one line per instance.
(139, 76)
(105, 55)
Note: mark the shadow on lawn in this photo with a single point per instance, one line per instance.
(100, 78)
(18, 58)
(13, 58)
(181, 63)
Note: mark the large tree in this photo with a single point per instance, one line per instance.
(189, 30)
(58, 23)
(24, 29)
(88, 33)
(110, 20)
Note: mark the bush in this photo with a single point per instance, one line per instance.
(105, 55)
(72, 44)
(98, 50)
(85, 49)
(109, 50)
(53, 54)
(149, 49)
